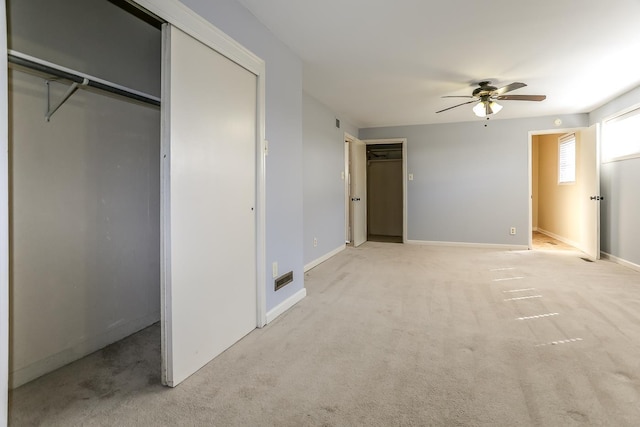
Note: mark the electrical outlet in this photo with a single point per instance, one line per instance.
(512, 231)
(315, 242)
(274, 268)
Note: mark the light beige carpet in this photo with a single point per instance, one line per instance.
(391, 335)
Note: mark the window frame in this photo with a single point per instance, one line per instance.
(619, 116)
(563, 141)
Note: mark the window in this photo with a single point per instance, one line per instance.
(567, 159)
(621, 136)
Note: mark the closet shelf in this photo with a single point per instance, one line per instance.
(78, 80)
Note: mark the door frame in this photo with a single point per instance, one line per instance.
(180, 16)
(4, 219)
(530, 172)
(402, 141)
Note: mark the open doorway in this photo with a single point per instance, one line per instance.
(375, 190)
(564, 191)
(384, 192)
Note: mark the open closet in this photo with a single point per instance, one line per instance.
(84, 150)
(385, 192)
(136, 166)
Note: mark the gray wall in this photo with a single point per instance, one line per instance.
(471, 182)
(620, 210)
(324, 191)
(284, 133)
(91, 36)
(85, 187)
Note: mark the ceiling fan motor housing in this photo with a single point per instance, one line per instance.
(485, 89)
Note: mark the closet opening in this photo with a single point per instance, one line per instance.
(385, 192)
(84, 196)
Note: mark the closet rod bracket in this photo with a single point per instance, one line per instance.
(72, 89)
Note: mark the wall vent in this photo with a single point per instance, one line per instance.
(283, 280)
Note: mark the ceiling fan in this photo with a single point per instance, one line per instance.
(487, 95)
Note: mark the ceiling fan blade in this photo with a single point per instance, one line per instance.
(457, 96)
(464, 103)
(508, 88)
(521, 97)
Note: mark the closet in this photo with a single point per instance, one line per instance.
(84, 184)
(384, 192)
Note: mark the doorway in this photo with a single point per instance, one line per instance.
(377, 170)
(384, 192)
(564, 204)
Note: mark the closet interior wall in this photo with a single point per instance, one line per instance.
(84, 187)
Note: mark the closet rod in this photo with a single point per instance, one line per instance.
(46, 67)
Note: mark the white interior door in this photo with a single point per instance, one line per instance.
(208, 204)
(358, 192)
(588, 163)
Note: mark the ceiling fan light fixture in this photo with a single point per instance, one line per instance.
(480, 109)
(486, 108)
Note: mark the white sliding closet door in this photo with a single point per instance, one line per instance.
(208, 204)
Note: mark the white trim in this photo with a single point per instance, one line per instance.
(324, 257)
(405, 175)
(4, 220)
(180, 16)
(560, 238)
(530, 226)
(620, 261)
(286, 305)
(165, 208)
(80, 349)
(468, 245)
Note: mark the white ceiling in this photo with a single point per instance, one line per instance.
(383, 62)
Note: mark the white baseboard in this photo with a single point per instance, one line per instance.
(324, 257)
(79, 350)
(620, 261)
(469, 245)
(286, 305)
(560, 238)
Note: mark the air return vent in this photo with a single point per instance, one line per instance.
(283, 280)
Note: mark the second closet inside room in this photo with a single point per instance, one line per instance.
(384, 192)
(84, 186)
